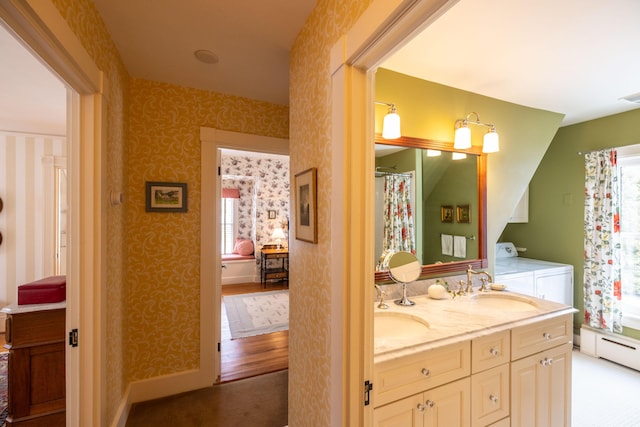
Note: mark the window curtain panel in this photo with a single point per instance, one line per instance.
(399, 232)
(602, 250)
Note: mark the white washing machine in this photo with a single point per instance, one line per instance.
(542, 279)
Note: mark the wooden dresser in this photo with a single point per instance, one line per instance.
(35, 337)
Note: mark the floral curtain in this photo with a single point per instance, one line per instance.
(398, 222)
(602, 272)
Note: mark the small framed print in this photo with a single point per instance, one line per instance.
(271, 214)
(463, 215)
(166, 197)
(306, 209)
(446, 213)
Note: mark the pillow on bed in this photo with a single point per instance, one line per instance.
(243, 247)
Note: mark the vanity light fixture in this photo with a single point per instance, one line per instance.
(462, 139)
(391, 123)
(433, 153)
(458, 156)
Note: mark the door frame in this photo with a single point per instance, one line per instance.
(382, 29)
(211, 141)
(42, 30)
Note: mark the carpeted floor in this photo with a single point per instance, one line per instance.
(604, 394)
(257, 402)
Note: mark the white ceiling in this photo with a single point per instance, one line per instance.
(32, 99)
(576, 57)
(251, 39)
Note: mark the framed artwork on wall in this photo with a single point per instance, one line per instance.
(446, 213)
(271, 214)
(463, 214)
(166, 197)
(305, 205)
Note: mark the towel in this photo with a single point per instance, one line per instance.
(447, 244)
(459, 246)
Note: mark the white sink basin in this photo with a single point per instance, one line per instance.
(398, 325)
(504, 302)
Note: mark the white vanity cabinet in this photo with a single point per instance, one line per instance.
(541, 374)
(517, 377)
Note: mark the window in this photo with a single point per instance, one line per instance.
(229, 218)
(630, 239)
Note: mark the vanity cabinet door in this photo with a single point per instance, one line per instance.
(541, 389)
(448, 405)
(407, 412)
(490, 396)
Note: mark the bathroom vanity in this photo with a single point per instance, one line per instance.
(485, 359)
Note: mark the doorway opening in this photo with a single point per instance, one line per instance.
(254, 208)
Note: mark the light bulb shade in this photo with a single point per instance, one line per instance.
(278, 233)
(491, 143)
(458, 156)
(462, 139)
(391, 126)
(433, 153)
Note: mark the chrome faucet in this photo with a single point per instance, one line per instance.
(470, 274)
(381, 303)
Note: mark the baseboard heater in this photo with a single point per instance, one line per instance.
(622, 350)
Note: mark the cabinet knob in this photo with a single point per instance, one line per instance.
(430, 403)
(421, 407)
(494, 351)
(493, 399)
(425, 372)
(546, 361)
(546, 336)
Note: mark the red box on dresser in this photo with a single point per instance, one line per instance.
(48, 290)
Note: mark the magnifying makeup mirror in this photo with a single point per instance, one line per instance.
(404, 267)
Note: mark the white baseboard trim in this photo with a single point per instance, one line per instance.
(616, 348)
(155, 388)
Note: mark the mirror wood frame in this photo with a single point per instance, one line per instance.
(449, 268)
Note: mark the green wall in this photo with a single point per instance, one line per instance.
(455, 186)
(556, 209)
(429, 110)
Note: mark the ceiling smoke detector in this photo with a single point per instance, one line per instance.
(206, 56)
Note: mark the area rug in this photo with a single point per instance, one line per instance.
(4, 411)
(257, 313)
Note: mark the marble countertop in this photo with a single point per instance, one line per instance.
(28, 308)
(461, 318)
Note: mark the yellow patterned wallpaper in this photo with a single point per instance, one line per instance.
(310, 146)
(163, 249)
(84, 20)
(153, 259)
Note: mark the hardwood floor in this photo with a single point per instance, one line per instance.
(251, 356)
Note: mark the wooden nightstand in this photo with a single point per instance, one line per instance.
(270, 268)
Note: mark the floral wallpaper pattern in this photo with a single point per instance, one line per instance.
(264, 186)
(310, 349)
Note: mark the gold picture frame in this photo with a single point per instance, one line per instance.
(446, 213)
(463, 214)
(305, 205)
